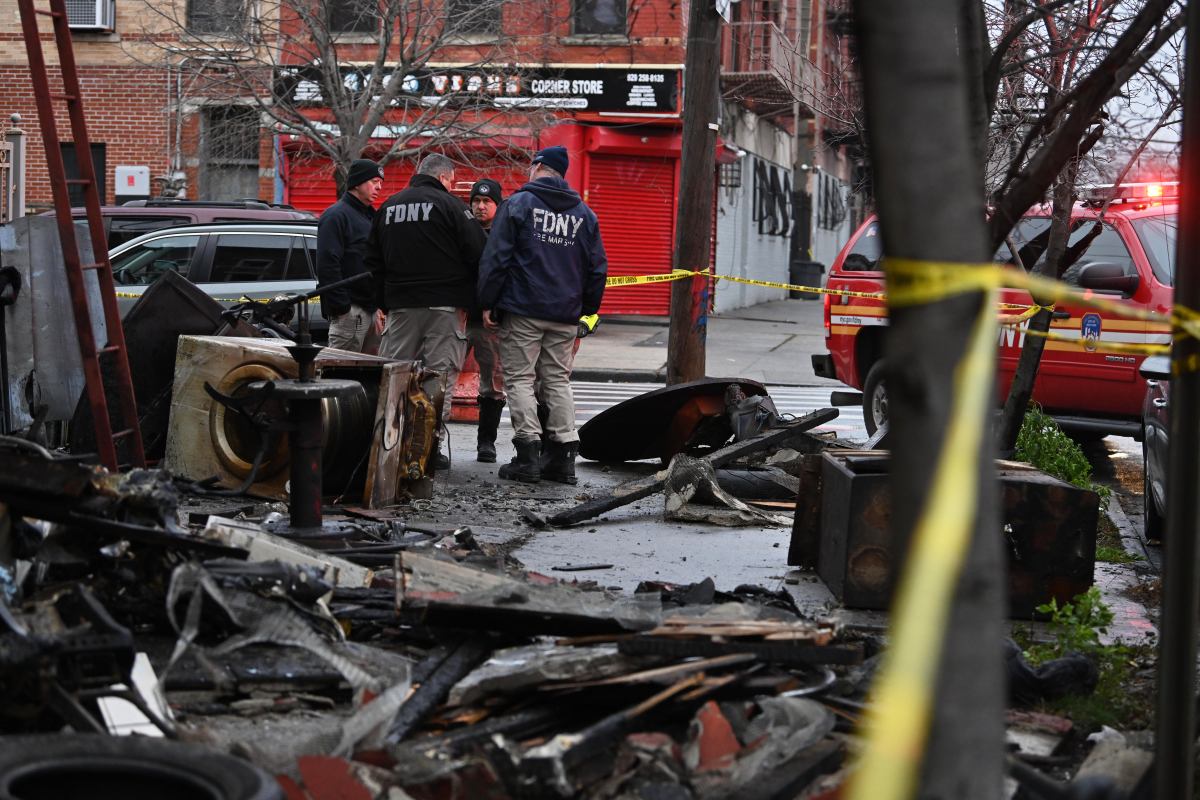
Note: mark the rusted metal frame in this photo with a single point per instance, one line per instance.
(89, 354)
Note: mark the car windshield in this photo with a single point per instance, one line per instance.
(1090, 242)
(1157, 235)
(143, 264)
(867, 250)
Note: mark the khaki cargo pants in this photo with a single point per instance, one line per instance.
(436, 336)
(542, 352)
(354, 331)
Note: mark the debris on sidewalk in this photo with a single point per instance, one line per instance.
(442, 663)
(842, 526)
(626, 493)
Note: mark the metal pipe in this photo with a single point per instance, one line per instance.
(1176, 721)
(305, 446)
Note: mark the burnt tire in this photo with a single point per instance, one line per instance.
(1154, 524)
(77, 766)
(875, 402)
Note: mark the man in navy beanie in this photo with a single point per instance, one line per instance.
(354, 320)
(543, 268)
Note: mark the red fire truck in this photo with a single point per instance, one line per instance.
(1123, 245)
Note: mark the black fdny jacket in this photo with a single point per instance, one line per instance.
(544, 258)
(424, 248)
(341, 239)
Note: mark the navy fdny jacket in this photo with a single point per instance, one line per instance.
(544, 258)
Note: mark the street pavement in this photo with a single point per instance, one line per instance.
(769, 342)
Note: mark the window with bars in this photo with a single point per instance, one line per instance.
(466, 17)
(71, 165)
(599, 17)
(217, 16)
(352, 16)
(229, 140)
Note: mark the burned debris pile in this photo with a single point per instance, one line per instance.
(372, 655)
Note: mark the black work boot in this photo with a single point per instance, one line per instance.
(490, 410)
(526, 465)
(559, 466)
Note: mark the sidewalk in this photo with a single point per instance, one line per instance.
(769, 342)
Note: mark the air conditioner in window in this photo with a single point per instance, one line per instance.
(91, 15)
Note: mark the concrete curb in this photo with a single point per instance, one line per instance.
(1131, 537)
(619, 375)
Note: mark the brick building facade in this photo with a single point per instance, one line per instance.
(603, 77)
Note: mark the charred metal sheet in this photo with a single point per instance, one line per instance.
(1049, 532)
(59, 655)
(137, 505)
(642, 426)
(171, 307)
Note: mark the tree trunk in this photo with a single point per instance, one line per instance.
(929, 186)
(1031, 350)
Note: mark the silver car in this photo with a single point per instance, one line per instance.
(229, 261)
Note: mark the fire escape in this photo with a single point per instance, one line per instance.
(764, 61)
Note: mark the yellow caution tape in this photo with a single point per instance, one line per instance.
(663, 277)
(921, 282)
(1008, 320)
(898, 722)
(134, 296)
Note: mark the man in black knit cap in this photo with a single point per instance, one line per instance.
(354, 320)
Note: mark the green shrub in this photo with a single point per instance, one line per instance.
(1043, 444)
(1120, 699)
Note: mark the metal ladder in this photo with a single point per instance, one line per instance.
(115, 348)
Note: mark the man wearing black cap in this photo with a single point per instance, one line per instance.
(341, 239)
(485, 199)
(543, 268)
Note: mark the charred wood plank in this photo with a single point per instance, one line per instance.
(438, 672)
(775, 652)
(436, 592)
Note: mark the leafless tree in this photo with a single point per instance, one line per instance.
(343, 76)
(1058, 74)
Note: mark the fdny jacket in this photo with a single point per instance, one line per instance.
(544, 258)
(424, 248)
(341, 239)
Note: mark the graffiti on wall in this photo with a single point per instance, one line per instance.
(831, 204)
(772, 199)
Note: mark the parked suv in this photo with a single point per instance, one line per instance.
(229, 261)
(1156, 422)
(1130, 258)
(129, 221)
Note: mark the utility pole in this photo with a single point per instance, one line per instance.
(697, 182)
(1176, 723)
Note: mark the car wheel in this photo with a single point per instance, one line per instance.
(126, 768)
(1153, 521)
(875, 402)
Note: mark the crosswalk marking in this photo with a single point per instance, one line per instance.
(592, 397)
